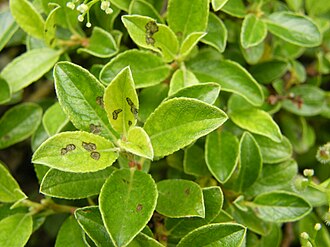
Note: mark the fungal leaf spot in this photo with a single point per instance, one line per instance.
(95, 155)
(187, 191)
(151, 28)
(70, 147)
(115, 113)
(150, 40)
(95, 129)
(89, 146)
(63, 151)
(134, 110)
(129, 122)
(99, 101)
(139, 207)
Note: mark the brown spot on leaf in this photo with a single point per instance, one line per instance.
(139, 207)
(187, 191)
(95, 155)
(151, 28)
(129, 122)
(63, 151)
(150, 40)
(89, 146)
(70, 147)
(99, 101)
(95, 129)
(115, 113)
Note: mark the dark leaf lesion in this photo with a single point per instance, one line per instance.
(115, 114)
(151, 28)
(67, 149)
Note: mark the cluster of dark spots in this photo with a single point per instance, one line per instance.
(89, 146)
(95, 155)
(151, 28)
(129, 122)
(134, 110)
(125, 181)
(68, 148)
(99, 101)
(95, 129)
(139, 207)
(115, 113)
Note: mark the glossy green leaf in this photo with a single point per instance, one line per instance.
(5, 92)
(253, 31)
(137, 142)
(253, 119)
(76, 151)
(181, 78)
(206, 92)
(231, 76)
(70, 234)
(234, 8)
(267, 72)
(280, 206)
(54, 119)
(50, 27)
(15, 230)
(89, 218)
(7, 29)
(9, 188)
(274, 152)
(223, 234)
(216, 33)
(143, 240)
(274, 177)
(127, 202)
(121, 102)
(70, 185)
(253, 54)
(184, 18)
(29, 67)
(121, 4)
(194, 161)
(146, 33)
(317, 7)
(18, 123)
(313, 99)
(218, 4)
(221, 154)
(250, 162)
(27, 17)
(168, 133)
(147, 68)
(190, 42)
(180, 198)
(294, 28)
(81, 97)
(142, 7)
(100, 44)
(213, 199)
(38, 137)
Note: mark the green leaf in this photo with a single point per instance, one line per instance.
(280, 206)
(9, 188)
(80, 95)
(206, 92)
(253, 54)
(190, 42)
(121, 102)
(29, 67)
(127, 202)
(27, 17)
(181, 78)
(5, 93)
(253, 119)
(70, 185)
(253, 31)
(267, 72)
(18, 123)
(312, 97)
(147, 68)
(100, 44)
(234, 8)
(54, 119)
(89, 218)
(218, 4)
(137, 142)
(194, 162)
(216, 33)
(142, 7)
(15, 230)
(76, 151)
(180, 198)
(168, 133)
(294, 28)
(223, 234)
(7, 29)
(221, 154)
(274, 177)
(231, 76)
(121, 4)
(250, 162)
(70, 234)
(51, 26)
(146, 33)
(143, 240)
(274, 152)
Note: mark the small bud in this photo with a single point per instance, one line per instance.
(82, 8)
(304, 235)
(105, 5)
(323, 153)
(300, 183)
(109, 11)
(308, 244)
(70, 5)
(80, 18)
(308, 172)
(88, 24)
(317, 226)
(291, 95)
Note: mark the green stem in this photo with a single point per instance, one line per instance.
(47, 205)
